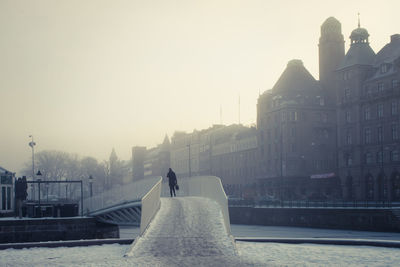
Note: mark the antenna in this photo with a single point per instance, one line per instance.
(358, 19)
(239, 108)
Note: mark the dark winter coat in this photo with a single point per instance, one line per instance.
(172, 178)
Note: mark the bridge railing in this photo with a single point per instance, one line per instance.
(118, 195)
(204, 186)
(150, 205)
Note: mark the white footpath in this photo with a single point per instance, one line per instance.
(187, 231)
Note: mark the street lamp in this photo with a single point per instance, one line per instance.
(39, 174)
(91, 185)
(190, 167)
(32, 144)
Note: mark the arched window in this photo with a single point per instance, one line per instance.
(369, 180)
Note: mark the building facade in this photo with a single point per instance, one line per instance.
(368, 99)
(342, 131)
(297, 137)
(7, 180)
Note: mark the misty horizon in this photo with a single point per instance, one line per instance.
(88, 77)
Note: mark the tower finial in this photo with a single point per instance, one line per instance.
(358, 19)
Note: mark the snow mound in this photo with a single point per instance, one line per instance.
(186, 231)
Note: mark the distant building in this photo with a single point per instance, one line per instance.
(296, 128)
(368, 115)
(228, 152)
(138, 158)
(151, 162)
(7, 180)
(338, 136)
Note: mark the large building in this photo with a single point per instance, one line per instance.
(297, 137)
(7, 180)
(339, 136)
(228, 152)
(368, 99)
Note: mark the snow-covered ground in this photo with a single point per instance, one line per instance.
(181, 235)
(286, 232)
(250, 254)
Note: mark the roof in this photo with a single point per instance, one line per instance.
(390, 52)
(331, 25)
(358, 54)
(295, 78)
(359, 34)
(3, 170)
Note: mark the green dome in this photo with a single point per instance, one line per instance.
(359, 35)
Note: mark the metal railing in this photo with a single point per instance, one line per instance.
(367, 204)
(119, 195)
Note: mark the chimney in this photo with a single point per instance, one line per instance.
(395, 38)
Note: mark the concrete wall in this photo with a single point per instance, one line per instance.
(49, 229)
(342, 218)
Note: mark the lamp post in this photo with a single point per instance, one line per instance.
(39, 174)
(190, 167)
(32, 144)
(47, 191)
(91, 185)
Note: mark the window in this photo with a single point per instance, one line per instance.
(368, 90)
(293, 116)
(348, 116)
(367, 136)
(293, 132)
(394, 155)
(395, 83)
(395, 131)
(379, 157)
(383, 68)
(346, 75)
(381, 87)
(369, 186)
(380, 134)
(348, 137)
(367, 113)
(321, 101)
(283, 118)
(380, 110)
(346, 94)
(368, 158)
(293, 147)
(394, 108)
(348, 159)
(324, 117)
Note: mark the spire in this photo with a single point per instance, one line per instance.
(359, 20)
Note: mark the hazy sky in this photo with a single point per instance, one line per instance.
(87, 76)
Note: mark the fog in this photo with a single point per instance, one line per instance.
(88, 76)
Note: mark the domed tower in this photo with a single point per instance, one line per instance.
(331, 50)
(355, 69)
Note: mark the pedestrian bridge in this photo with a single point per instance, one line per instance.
(138, 202)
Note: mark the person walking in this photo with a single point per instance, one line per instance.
(172, 181)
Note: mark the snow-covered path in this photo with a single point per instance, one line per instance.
(186, 231)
